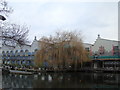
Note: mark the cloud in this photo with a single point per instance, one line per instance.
(91, 18)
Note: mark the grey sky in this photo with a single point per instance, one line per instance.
(44, 18)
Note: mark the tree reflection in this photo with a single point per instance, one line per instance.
(61, 80)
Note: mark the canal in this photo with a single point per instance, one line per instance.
(62, 80)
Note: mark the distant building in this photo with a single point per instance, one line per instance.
(105, 47)
(24, 55)
(105, 54)
(20, 55)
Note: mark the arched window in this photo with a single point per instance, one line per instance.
(16, 51)
(7, 52)
(3, 51)
(36, 50)
(21, 50)
(26, 50)
(11, 53)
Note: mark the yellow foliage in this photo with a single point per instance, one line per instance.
(65, 48)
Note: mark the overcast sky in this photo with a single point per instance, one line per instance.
(45, 17)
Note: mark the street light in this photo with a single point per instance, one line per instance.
(2, 18)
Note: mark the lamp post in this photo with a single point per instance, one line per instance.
(3, 19)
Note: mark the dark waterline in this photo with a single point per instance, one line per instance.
(62, 80)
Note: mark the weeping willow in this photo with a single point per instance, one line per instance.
(62, 50)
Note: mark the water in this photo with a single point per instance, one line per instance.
(62, 80)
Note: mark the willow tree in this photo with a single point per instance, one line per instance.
(62, 50)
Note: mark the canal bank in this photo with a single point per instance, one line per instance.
(100, 64)
(88, 70)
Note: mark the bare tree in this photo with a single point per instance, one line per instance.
(11, 34)
(5, 8)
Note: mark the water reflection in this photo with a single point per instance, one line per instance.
(62, 80)
(49, 78)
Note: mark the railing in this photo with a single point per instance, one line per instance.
(19, 54)
(104, 57)
(18, 58)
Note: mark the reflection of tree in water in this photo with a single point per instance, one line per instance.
(61, 80)
(73, 80)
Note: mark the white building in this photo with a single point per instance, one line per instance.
(20, 54)
(105, 47)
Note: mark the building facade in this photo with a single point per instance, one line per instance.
(102, 49)
(105, 54)
(20, 55)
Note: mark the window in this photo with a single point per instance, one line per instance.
(11, 51)
(87, 49)
(36, 50)
(21, 50)
(7, 52)
(3, 52)
(115, 50)
(26, 50)
(16, 51)
(101, 50)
